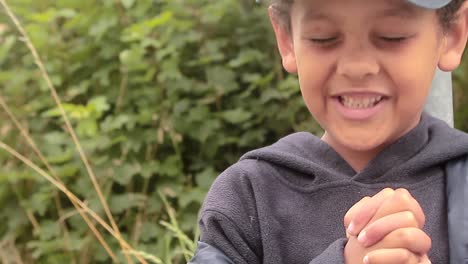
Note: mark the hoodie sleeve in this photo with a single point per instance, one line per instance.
(207, 254)
(229, 223)
(333, 254)
(228, 219)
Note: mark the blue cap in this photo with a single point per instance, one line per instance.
(431, 4)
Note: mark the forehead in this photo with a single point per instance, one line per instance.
(379, 9)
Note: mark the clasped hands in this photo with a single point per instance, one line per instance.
(386, 229)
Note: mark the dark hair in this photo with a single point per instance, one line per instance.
(446, 14)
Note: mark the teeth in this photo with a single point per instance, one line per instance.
(360, 102)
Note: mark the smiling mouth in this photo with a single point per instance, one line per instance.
(360, 102)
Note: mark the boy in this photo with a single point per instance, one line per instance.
(365, 68)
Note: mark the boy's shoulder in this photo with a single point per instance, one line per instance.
(457, 196)
(306, 153)
(294, 148)
(292, 151)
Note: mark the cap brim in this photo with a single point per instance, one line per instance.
(430, 4)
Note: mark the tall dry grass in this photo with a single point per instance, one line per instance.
(10, 254)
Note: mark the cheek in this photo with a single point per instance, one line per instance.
(420, 72)
(412, 90)
(413, 75)
(313, 72)
(313, 89)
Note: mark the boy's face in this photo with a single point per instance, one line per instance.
(365, 67)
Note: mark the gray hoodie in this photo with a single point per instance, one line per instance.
(285, 203)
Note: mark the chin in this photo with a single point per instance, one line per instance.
(362, 144)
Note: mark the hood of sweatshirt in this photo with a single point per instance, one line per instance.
(430, 144)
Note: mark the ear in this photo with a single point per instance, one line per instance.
(455, 41)
(284, 41)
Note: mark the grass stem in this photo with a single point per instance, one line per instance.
(57, 100)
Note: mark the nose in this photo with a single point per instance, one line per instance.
(357, 62)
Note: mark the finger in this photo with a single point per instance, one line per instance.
(377, 230)
(412, 239)
(362, 215)
(391, 256)
(352, 212)
(425, 260)
(401, 200)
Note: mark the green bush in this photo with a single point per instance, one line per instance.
(163, 94)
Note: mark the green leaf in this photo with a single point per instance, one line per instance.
(49, 229)
(5, 47)
(103, 25)
(222, 79)
(149, 168)
(56, 138)
(154, 204)
(246, 57)
(123, 202)
(170, 167)
(73, 111)
(99, 105)
(87, 128)
(236, 116)
(66, 13)
(116, 122)
(123, 174)
(193, 195)
(149, 231)
(62, 157)
(76, 242)
(205, 178)
(68, 170)
(44, 17)
(39, 202)
(139, 30)
(132, 59)
(127, 3)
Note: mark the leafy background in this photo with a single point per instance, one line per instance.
(163, 94)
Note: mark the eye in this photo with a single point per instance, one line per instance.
(323, 41)
(393, 39)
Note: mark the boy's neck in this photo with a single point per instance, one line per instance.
(358, 160)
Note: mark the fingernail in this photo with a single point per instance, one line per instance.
(366, 260)
(351, 229)
(362, 237)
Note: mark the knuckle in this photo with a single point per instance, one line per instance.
(402, 256)
(403, 194)
(403, 197)
(409, 218)
(388, 191)
(405, 237)
(402, 191)
(405, 256)
(354, 210)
